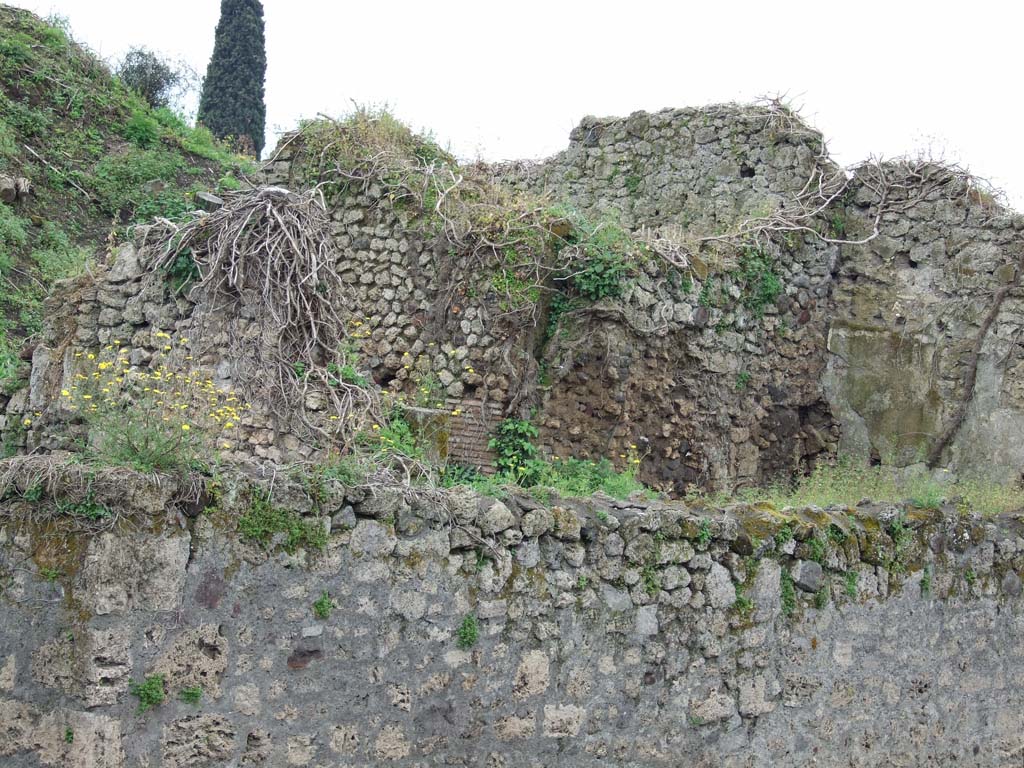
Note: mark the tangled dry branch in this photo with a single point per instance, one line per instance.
(889, 188)
(270, 250)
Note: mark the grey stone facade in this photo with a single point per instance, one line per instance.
(628, 634)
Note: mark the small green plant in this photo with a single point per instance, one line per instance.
(429, 392)
(838, 225)
(69, 736)
(514, 450)
(86, 507)
(191, 695)
(817, 549)
(395, 437)
(142, 129)
(787, 593)
(742, 379)
(927, 496)
(901, 540)
(822, 596)
(323, 605)
(345, 373)
(761, 286)
(581, 582)
(926, 581)
(182, 272)
(704, 534)
(49, 574)
(836, 534)
(150, 692)
(604, 257)
(602, 515)
(651, 579)
(970, 577)
(263, 522)
(481, 560)
(783, 535)
(299, 369)
(850, 583)
(468, 632)
(33, 493)
(743, 605)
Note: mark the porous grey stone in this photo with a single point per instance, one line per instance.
(495, 519)
(719, 587)
(808, 575)
(372, 539)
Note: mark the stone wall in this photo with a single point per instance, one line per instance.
(902, 313)
(868, 347)
(717, 395)
(910, 308)
(629, 634)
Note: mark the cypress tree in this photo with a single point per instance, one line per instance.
(231, 104)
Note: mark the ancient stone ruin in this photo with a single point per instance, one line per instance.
(700, 291)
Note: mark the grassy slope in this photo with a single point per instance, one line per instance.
(99, 159)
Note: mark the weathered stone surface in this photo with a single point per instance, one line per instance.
(557, 647)
(197, 740)
(495, 519)
(123, 573)
(808, 575)
(532, 675)
(196, 657)
(719, 586)
(562, 721)
(372, 539)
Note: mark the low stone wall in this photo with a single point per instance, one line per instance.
(468, 631)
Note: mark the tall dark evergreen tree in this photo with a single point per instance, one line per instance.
(231, 104)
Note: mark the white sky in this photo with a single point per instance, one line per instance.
(510, 80)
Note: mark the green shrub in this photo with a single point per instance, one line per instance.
(142, 129)
(121, 182)
(150, 692)
(787, 593)
(761, 286)
(468, 632)
(183, 271)
(604, 268)
(850, 583)
(13, 235)
(395, 437)
(262, 521)
(191, 695)
(323, 605)
(515, 452)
